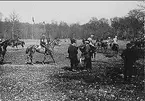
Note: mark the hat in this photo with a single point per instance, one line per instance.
(128, 45)
(73, 41)
(89, 39)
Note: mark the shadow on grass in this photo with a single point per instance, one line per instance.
(5, 62)
(112, 75)
(38, 62)
(88, 76)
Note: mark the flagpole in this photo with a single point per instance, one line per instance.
(33, 28)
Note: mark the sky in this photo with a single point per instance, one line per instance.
(68, 11)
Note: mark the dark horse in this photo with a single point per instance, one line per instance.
(3, 48)
(102, 45)
(30, 50)
(17, 42)
(115, 47)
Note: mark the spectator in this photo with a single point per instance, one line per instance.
(73, 51)
(129, 55)
(87, 56)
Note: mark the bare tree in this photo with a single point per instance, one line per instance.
(14, 17)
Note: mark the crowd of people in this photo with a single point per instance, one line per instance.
(129, 55)
(85, 48)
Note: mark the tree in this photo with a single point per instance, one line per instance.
(14, 19)
(137, 21)
(1, 25)
(142, 5)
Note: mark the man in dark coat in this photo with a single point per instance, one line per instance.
(87, 55)
(129, 55)
(73, 51)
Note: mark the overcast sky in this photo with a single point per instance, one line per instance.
(68, 11)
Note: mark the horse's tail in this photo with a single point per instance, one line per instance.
(27, 50)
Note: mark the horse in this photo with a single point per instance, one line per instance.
(3, 48)
(18, 42)
(92, 52)
(114, 47)
(102, 45)
(30, 50)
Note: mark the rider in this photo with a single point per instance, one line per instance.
(43, 41)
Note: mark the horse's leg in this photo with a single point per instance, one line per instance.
(2, 60)
(3, 56)
(22, 45)
(94, 55)
(31, 58)
(27, 59)
(52, 57)
(44, 58)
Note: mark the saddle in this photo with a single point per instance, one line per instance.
(39, 47)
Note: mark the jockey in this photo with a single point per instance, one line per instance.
(43, 41)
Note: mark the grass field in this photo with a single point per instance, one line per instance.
(51, 82)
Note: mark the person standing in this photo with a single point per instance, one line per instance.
(92, 45)
(73, 51)
(129, 55)
(87, 55)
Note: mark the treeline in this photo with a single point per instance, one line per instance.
(127, 27)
